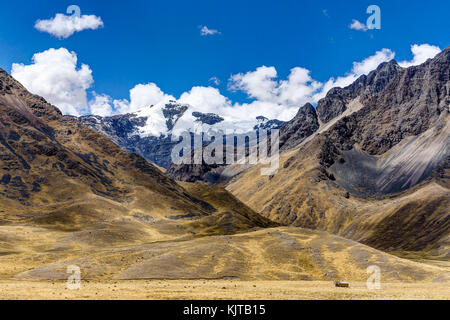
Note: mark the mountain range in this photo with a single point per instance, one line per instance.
(363, 180)
(151, 132)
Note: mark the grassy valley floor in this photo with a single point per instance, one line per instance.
(219, 290)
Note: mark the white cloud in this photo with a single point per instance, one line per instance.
(101, 105)
(141, 96)
(359, 68)
(371, 63)
(205, 31)
(281, 99)
(359, 26)
(144, 95)
(63, 26)
(205, 99)
(54, 75)
(215, 80)
(421, 54)
(259, 84)
(298, 89)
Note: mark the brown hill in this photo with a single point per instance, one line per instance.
(269, 254)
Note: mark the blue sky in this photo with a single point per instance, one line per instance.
(160, 41)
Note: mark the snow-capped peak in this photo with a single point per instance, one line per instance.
(174, 118)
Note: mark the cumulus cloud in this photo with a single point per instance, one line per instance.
(142, 95)
(63, 26)
(371, 63)
(359, 26)
(281, 98)
(259, 84)
(101, 105)
(55, 76)
(271, 94)
(421, 54)
(205, 31)
(299, 88)
(205, 99)
(359, 68)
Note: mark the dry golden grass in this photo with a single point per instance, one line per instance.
(219, 290)
(265, 254)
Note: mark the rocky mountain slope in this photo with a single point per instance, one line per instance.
(406, 123)
(339, 102)
(376, 170)
(122, 130)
